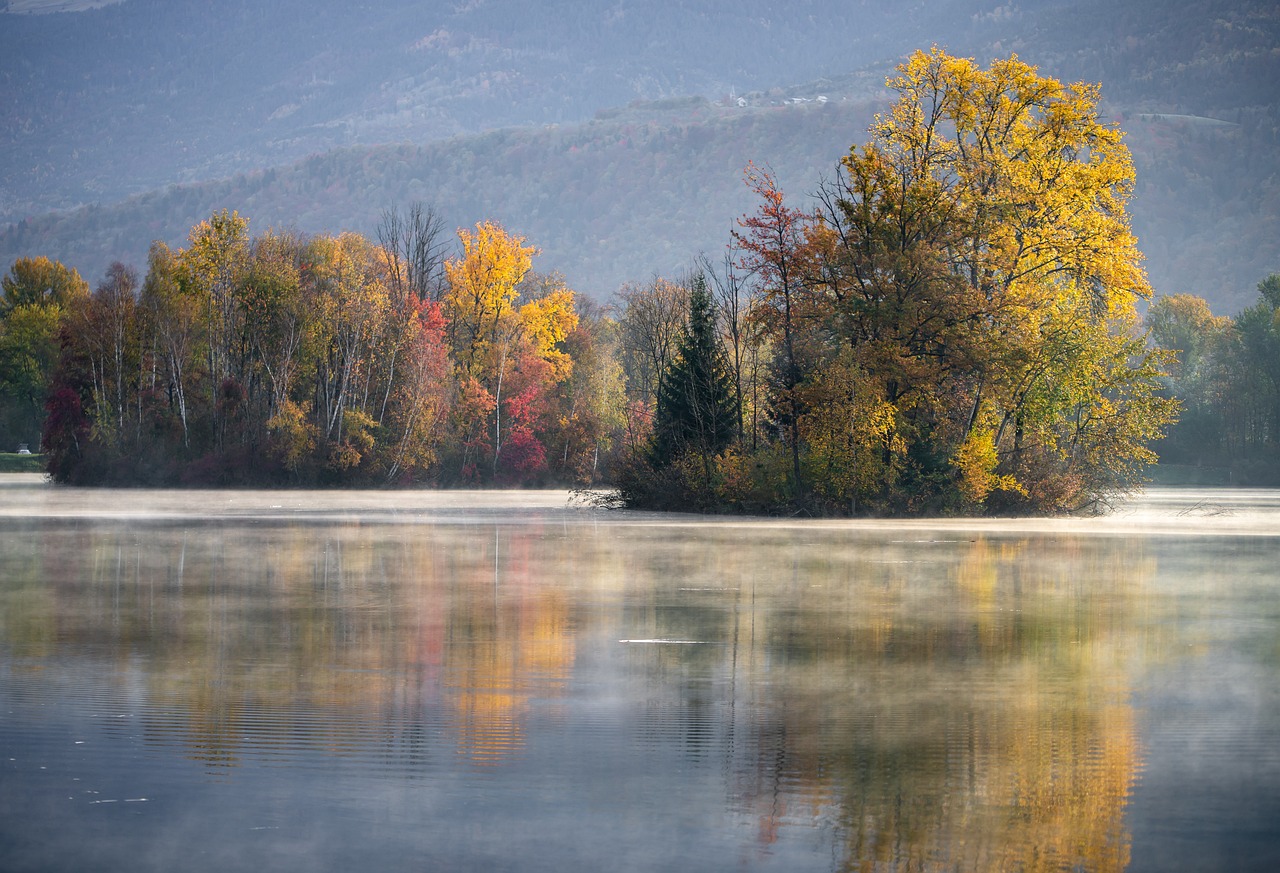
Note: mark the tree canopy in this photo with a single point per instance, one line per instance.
(1227, 379)
(315, 360)
(976, 261)
(953, 326)
(950, 326)
(37, 294)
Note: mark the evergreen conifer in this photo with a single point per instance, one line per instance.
(696, 410)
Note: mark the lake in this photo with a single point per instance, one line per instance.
(328, 681)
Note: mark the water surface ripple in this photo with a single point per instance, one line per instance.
(515, 681)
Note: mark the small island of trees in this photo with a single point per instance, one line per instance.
(952, 328)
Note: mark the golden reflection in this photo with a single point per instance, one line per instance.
(244, 631)
(982, 719)
(954, 704)
(518, 647)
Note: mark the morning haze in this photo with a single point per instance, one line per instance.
(226, 680)
(639, 436)
(142, 95)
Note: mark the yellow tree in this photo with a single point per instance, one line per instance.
(215, 263)
(532, 350)
(277, 318)
(1203, 378)
(546, 322)
(37, 294)
(483, 285)
(173, 312)
(40, 281)
(351, 298)
(849, 429)
(484, 327)
(977, 256)
(593, 400)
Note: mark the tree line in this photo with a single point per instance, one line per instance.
(318, 360)
(952, 326)
(1227, 380)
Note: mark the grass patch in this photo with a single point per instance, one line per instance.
(12, 462)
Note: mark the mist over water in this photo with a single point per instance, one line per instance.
(510, 681)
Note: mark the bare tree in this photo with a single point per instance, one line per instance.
(653, 317)
(741, 333)
(413, 250)
(174, 316)
(413, 245)
(112, 313)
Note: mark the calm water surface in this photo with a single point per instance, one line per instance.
(503, 681)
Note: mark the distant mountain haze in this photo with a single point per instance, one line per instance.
(611, 135)
(121, 99)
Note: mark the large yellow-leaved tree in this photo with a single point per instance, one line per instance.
(963, 303)
(977, 259)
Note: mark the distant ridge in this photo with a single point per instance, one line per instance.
(643, 190)
(647, 188)
(186, 105)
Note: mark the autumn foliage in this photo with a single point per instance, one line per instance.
(291, 360)
(950, 327)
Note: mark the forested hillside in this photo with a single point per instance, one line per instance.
(194, 107)
(638, 191)
(646, 189)
(113, 101)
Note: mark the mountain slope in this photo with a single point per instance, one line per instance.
(646, 189)
(145, 94)
(111, 101)
(639, 191)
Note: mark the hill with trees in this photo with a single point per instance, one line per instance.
(645, 189)
(637, 191)
(118, 100)
(1227, 379)
(952, 328)
(140, 95)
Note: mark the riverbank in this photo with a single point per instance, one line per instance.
(12, 462)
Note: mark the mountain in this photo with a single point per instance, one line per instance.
(637, 191)
(117, 100)
(320, 115)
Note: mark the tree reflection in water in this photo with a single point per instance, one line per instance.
(957, 704)
(945, 705)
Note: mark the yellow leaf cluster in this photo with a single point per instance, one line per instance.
(547, 322)
(976, 460)
(483, 285)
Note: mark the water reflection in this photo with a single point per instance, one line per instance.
(945, 704)
(758, 695)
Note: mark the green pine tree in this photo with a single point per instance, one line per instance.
(696, 410)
